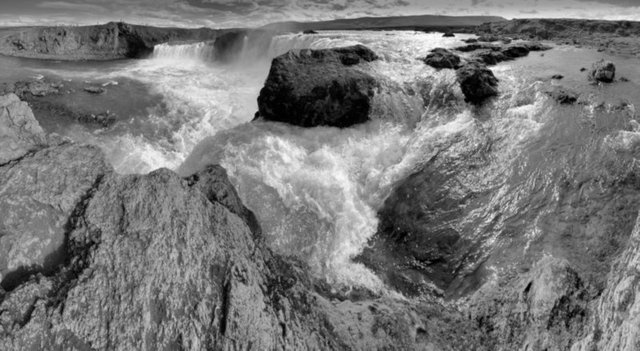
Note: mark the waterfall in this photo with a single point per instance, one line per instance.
(252, 48)
(203, 51)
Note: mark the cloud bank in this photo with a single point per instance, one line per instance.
(254, 13)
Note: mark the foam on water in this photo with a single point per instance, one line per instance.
(316, 191)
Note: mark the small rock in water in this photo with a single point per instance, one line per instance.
(309, 31)
(582, 69)
(624, 79)
(442, 58)
(448, 34)
(563, 96)
(477, 82)
(603, 71)
(95, 90)
(557, 76)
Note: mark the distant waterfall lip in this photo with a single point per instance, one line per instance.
(249, 49)
(201, 51)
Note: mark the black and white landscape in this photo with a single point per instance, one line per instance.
(319, 175)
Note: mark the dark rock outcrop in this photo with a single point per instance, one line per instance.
(309, 31)
(448, 34)
(562, 95)
(442, 58)
(491, 54)
(603, 71)
(477, 82)
(31, 89)
(319, 88)
(95, 90)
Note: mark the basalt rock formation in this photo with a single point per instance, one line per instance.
(319, 88)
(603, 71)
(101, 42)
(113, 262)
(442, 58)
(477, 82)
(492, 54)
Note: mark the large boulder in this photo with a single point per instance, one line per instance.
(19, 130)
(603, 71)
(442, 58)
(319, 88)
(477, 82)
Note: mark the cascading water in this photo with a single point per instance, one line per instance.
(317, 191)
(203, 51)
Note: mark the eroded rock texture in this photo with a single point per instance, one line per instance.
(100, 42)
(158, 262)
(477, 82)
(319, 88)
(19, 130)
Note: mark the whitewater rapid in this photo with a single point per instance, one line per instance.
(317, 191)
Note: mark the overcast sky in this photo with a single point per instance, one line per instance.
(250, 13)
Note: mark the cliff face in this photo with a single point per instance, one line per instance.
(101, 42)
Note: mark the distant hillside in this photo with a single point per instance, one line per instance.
(424, 22)
(101, 42)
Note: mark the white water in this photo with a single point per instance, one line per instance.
(199, 51)
(316, 191)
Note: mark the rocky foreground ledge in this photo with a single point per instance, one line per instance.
(93, 260)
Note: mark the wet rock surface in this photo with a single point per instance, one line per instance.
(492, 54)
(477, 82)
(319, 88)
(603, 71)
(442, 58)
(563, 95)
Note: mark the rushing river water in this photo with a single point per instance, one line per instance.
(317, 191)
